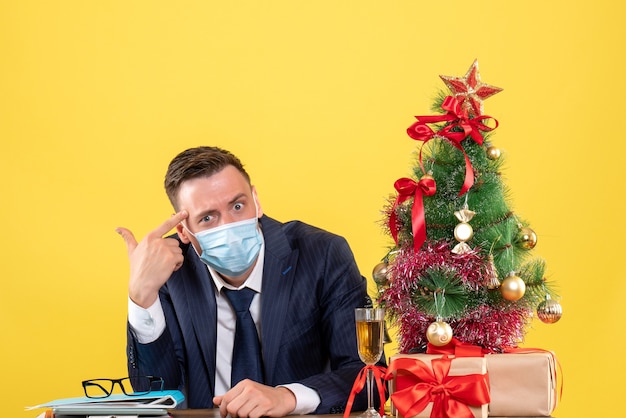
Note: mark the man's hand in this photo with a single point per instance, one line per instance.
(152, 261)
(254, 400)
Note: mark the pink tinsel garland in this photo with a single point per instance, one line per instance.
(492, 327)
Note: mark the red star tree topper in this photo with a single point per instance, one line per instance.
(470, 91)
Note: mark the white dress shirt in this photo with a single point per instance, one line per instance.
(149, 324)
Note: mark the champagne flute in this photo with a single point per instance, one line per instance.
(369, 335)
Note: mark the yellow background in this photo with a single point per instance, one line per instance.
(97, 96)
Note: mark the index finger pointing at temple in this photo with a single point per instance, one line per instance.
(171, 223)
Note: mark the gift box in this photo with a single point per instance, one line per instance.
(421, 384)
(522, 384)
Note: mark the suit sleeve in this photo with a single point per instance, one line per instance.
(157, 358)
(343, 290)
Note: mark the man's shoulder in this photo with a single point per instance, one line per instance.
(296, 229)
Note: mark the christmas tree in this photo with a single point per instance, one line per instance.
(462, 263)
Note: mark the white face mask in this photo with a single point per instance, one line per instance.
(231, 249)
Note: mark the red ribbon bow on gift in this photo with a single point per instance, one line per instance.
(458, 118)
(450, 395)
(379, 379)
(406, 188)
(458, 349)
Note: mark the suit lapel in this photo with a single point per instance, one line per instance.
(278, 275)
(200, 296)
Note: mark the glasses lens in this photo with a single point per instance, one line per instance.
(98, 388)
(140, 385)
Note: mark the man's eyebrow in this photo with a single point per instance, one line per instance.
(237, 198)
(210, 212)
(205, 213)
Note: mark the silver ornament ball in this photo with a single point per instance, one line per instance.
(549, 311)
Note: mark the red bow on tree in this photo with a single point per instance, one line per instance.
(457, 118)
(406, 188)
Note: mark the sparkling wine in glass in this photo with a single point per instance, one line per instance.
(370, 324)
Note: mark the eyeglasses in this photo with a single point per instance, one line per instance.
(131, 386)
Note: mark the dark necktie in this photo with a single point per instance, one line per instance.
(247, 363)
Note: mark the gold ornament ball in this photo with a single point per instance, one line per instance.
(380, 273)
(493, 153)
(512, 288)
(549, 311)
(463, 232)
(439, 333)
(527, 238)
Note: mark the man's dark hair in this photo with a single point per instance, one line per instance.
(198, 162)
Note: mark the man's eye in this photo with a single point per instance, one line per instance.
(238, 206)
(207, 218)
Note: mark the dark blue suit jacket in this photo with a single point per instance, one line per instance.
(311, 285)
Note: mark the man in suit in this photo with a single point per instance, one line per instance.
(305, 286)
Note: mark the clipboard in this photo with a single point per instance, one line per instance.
(153, 404)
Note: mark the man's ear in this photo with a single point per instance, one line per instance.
(258, 204)
(183, 234)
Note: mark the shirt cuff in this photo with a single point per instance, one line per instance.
(307, 399)
(148, 324)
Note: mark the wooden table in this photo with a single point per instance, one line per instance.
(215, 413)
